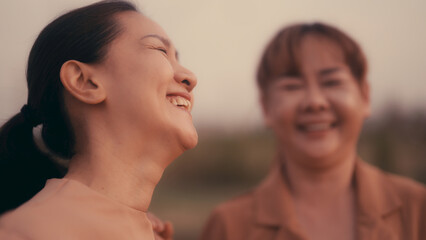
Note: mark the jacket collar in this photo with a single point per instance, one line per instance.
(274, 204)
(374, 195)
(375, 198)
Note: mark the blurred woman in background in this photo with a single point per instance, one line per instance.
(315, 98)
(106, 91)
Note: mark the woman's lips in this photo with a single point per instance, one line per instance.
(316, 127)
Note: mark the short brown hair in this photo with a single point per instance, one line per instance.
(281, 56)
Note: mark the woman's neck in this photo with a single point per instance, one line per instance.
(126, 176)
(319, 184)
(324, 198)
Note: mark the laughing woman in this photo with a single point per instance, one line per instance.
(315, 98)
(106, 91)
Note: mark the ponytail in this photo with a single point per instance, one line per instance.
(23, 168)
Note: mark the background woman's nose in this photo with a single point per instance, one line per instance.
(314, 100)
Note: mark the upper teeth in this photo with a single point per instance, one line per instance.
(317, 127)
(180, 101)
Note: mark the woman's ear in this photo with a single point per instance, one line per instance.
(265, 110)
(365, 92)
(78, 79)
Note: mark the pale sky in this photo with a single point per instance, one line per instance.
(221, 41)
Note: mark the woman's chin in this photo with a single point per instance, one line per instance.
(190, 140)
(319, 160)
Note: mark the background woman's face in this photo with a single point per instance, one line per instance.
(149, 94)
(319, 113)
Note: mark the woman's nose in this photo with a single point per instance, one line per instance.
(314, 100)
(185, 77)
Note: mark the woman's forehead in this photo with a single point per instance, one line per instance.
(316, 50)
(136, 25)
(308, 50)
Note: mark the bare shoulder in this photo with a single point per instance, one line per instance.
(11, 235)
(23, 222)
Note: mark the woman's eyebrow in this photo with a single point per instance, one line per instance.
(287, 75)
(162, 39)
(327, 71)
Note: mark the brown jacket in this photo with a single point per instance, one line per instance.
(388, 207)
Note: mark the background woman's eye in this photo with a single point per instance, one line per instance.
(331, 82)
(292, 86)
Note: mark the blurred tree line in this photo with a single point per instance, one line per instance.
(396, 143)
(224, 165)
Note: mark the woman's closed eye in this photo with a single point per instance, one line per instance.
(292, 86)
(290, 83)
(161, 49)
(158, 48)
(331, 82)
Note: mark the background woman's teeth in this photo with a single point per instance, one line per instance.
(317, 127)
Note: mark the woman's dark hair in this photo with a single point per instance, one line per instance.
(282, 54)
(83, 34)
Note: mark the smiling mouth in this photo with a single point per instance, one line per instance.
(316, 127)
(180, 102)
